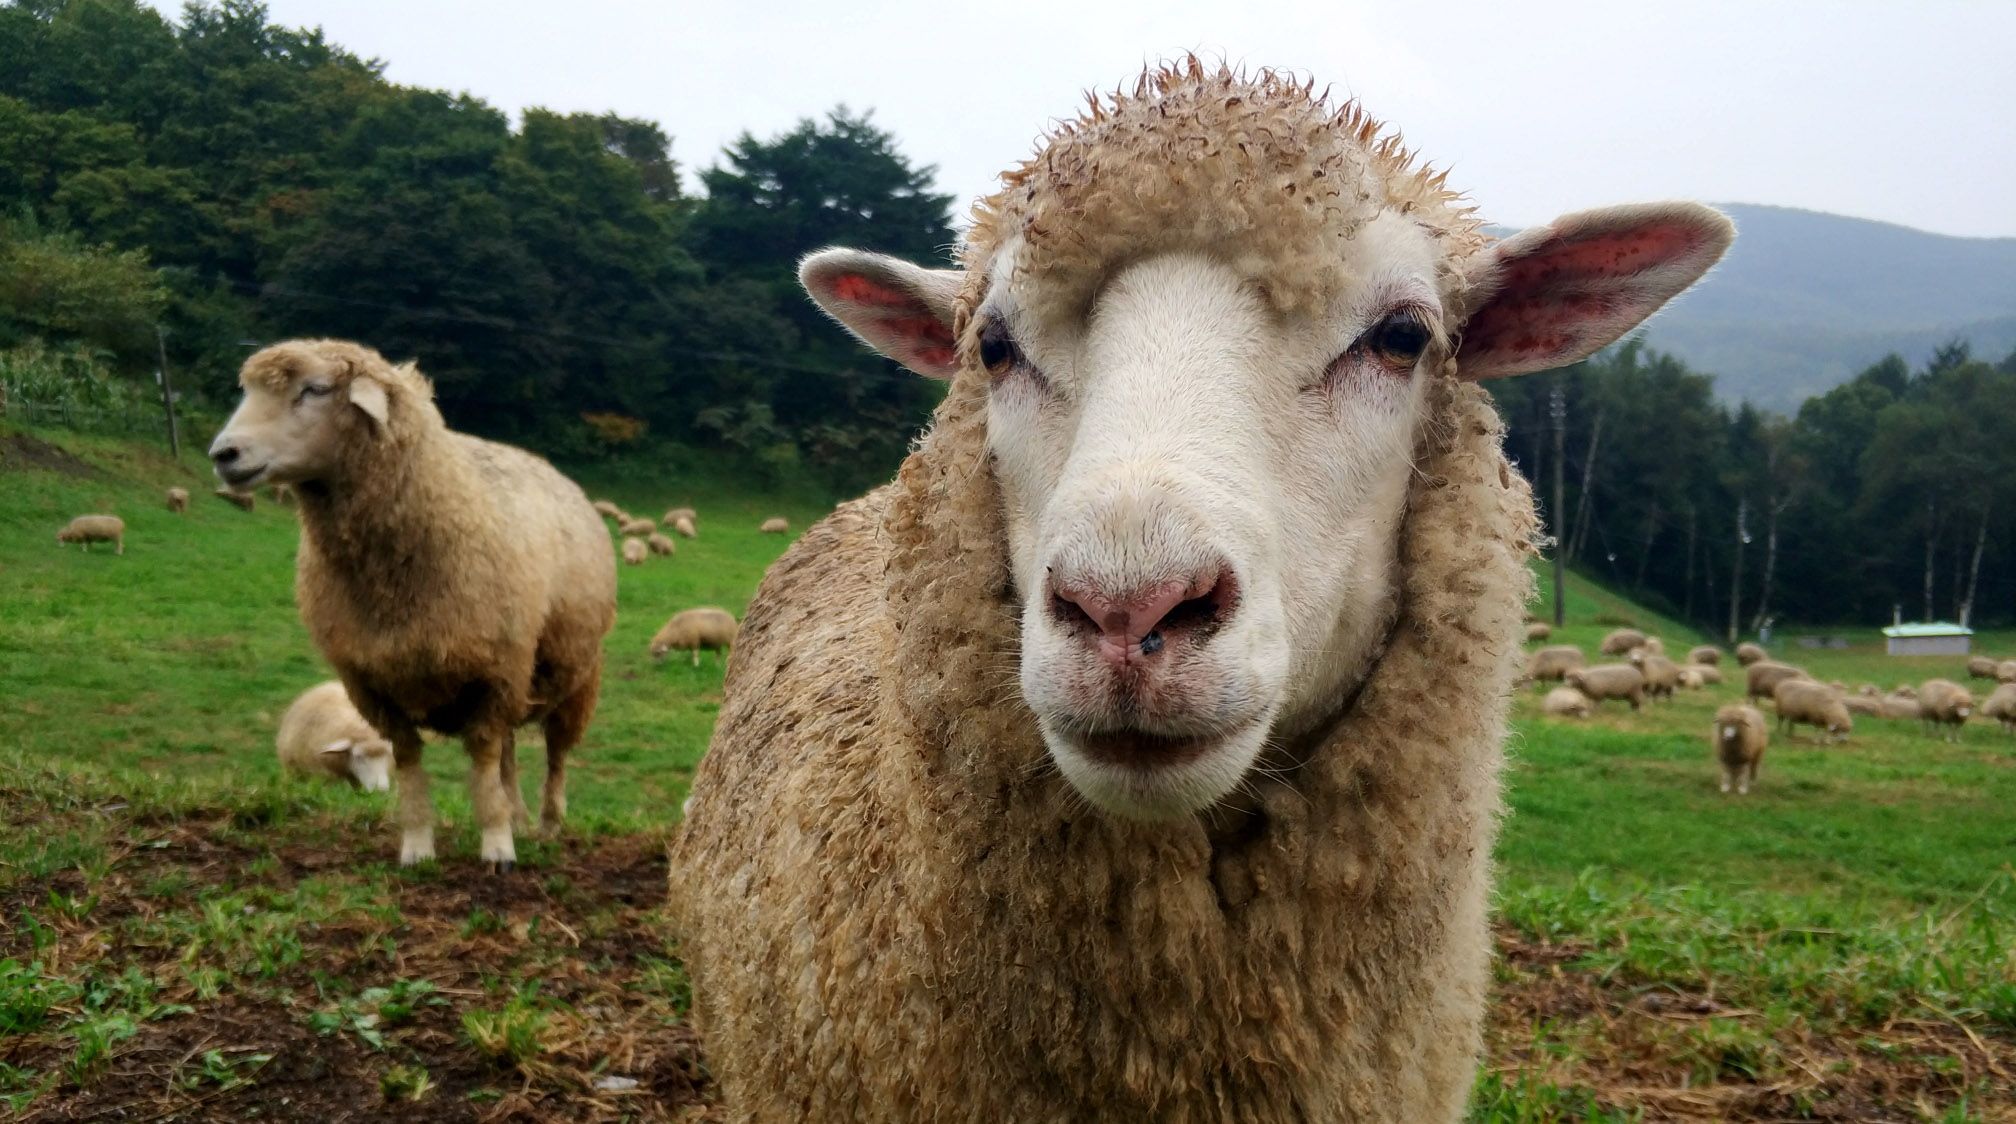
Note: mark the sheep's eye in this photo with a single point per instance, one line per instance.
(314, 390)
(998, 352)
(1398, 338)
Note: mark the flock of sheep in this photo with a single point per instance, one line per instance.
(1740, 733)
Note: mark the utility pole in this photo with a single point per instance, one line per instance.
(1557, 409)
(167, 393)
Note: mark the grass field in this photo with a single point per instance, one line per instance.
(186, 935)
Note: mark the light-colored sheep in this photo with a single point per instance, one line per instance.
(178, 500)
(1748, 653)
(636, 526)
(674, 515)
(1981, 667)
(609, 510)
(1865, 705)
(455, 584)
(1689, 676)
(1906, 690)
(890, 908)
(684, 526)
(660, 544)
(1707, 673)
(1653, 646)
(2005, 672)
(87, 529)
(1609, 681)
(1552, 663)
(1739, 738)
(1945, 707)
(1539, 631)
(1661, 674)
(1763, 677)
(1620, 641)
(1566, 702)
(1869, 690)
(243, 501)
(1802, 701)
(1706, 655)
(322, 735)
(1901, 706)
(707, 628)
(2001, 706)
(635, 551)
(775, 525)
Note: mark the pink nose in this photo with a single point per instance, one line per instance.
(1138, 625)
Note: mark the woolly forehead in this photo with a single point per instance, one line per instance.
(282, 366)
(1260, 173)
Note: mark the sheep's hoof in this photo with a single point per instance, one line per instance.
(502, 866)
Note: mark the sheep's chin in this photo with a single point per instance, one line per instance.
(1158, 793)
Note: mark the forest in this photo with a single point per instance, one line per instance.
(175, 192)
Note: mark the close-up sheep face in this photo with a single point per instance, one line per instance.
(370, 761)
(1204, 373)
(304, 401)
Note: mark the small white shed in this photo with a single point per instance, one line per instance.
(1935, 639)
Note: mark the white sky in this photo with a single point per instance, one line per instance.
(1902, 111)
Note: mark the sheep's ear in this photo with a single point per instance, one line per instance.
(903, 311)
(340, 745)
(1554, 294)
(368, 395)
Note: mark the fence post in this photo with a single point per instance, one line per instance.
(167, 394)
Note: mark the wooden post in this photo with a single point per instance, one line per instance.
(167, 394)
(1557, 408)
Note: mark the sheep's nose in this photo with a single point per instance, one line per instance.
(1138, 625)
(222, 451)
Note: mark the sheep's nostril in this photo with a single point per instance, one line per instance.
(225, 455)
(1143, 622)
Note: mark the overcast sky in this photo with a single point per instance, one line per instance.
(1903, 111)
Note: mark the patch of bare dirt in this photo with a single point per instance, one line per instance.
(19, 451)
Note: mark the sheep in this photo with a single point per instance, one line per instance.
(1620, 642)
(1764, 676)
(709, 628)
(674, 515)
(2005, 672)
(1707, 655)
(1869, 690)
(660, 544)
(1653, 646)
(2001, 706)
(1944, 703)
(775, 525)
(636, 526)
(1906, 690)
(609, 510)
(243, 501)
(1739, 738)
(1748, 653)
(1538, 631)
(1609, 681)
(1707, 673)
(1661, 674)
(1981, 667)
(322, 735)
(1689, 676)
(635, 551)
(1901, 706)
(915, 884)
(685, 527)
(1801, 700)
(1566, 702)
(178, 500)
(1864, 705)
(1553, 663)
(455, 584)
(87, 529)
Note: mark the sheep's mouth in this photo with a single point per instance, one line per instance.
(241, 478)
(1140, 749)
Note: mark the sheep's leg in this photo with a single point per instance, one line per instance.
(416, 807)
(507, 771)
(485, 743)
(564, 727)
(696, 655)
(1727, 775)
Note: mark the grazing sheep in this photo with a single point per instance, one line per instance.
(1707, 655)
(1247, 879)
(87, 529)
(1739, 738)
(1764, 676)
(1944, 703)
(1869, 690)
(1538, 631)
(322, 735)
(684, 525)
(1566, 702)
(1609, 681)
(1803, 701)
(1906, 690)
(710, 628)
(635, 551)
(2001, 706)
(1547, 664)
(1689, 676)
(178, 500)
(455, 584)
(1863, 705)
(674, 515)
(2005, 671)
(775, 525)
(1902, 706)
(1653, 646)
(635, 526)
(1661, 674)
(1707, 673)
(243, 501)
(1981, 667)
(1748, 653)
(660, 544)
(608, 510)
(1621, 641)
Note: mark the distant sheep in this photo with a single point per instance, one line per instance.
(1906, 690)
(1802, 701)
(1865, 705)
(1653, 646)
(684, 525)
(1706, 655)
(635, 551)
(1764, 676)
(2006, 671)
(1739, 737)
(660, 544)
(178, 500)
(1870, 690)
(2000, 705)
(708, 627)
(1901, 706)
(674, 515)
(1548, 664)
(1661, 674)
(1944, 703)
(1609, 681)
(1707, 673)
(1621, 641)
(1981, 667)
(322, 735)
(1747, 654)
(1566, 702)
(1539, 631)
(635, 526)
(87, 529)
(608, 510)
(243, 501)
(775, 525)
(1689, 677)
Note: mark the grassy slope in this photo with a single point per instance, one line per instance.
(1835, 946)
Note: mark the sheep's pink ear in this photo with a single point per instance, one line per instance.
(1554, 294)
(340, 745)
(368, 395)
(903, 311)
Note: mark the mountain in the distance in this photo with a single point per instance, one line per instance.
(1805, 300)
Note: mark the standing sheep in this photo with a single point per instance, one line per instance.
(178, 500)
(636, 527)
(1547, 664)
(674, 515)
(1689, 676)
(608, 510)
(2005, 672)
(87, 529)
(1944, 703)
(1221, 851)
(1748, 653)
(1864, 705)
(1539, 631)
(684, 526)
(775, 525)
(1609, 681)
(1620, 642)
(1707, 655)
(322, 735)
(1661, 674)
(1902, 706)
(455, 584)
(1981, 667)
(1739, 738)
(660, 544)
(2001, 706)
(1566, 702)
(1803, 701)
(707, 628)
(1707, 673)
(635, 551)
(1764, 676)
